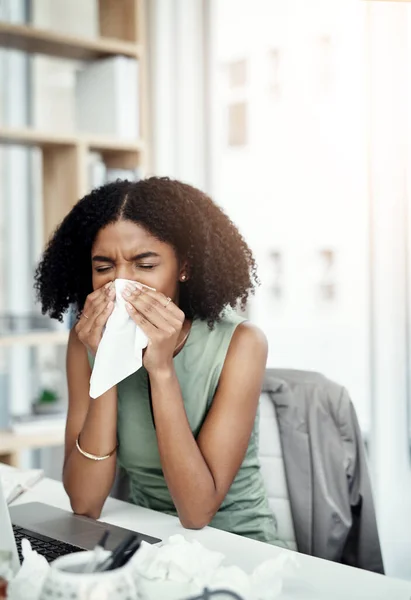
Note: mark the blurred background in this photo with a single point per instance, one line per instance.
(295, 116)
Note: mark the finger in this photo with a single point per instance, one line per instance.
(98, 317)
(154, 311)
(86, 322)
(98, 293)
(97, 304)
(90, 334)
(90, 313)
(94, 299)
(165, 303)
(140, 320)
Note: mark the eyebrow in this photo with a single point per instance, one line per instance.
(99, 258)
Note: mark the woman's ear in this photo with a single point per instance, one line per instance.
(184, 273)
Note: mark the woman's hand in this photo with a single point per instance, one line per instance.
(97, 309)
(160, 319)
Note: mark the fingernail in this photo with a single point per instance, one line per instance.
(109, 305)
(126, 292)
(108, 285)
(138, 286)
(129, 307)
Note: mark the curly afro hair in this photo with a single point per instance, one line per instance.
(221, 266)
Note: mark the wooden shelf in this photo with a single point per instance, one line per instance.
(11, 444)
(34, 338)
(30, 137)
(51, 43)
(11, 441)
(101, 144)
(65, 160)
(50, 140)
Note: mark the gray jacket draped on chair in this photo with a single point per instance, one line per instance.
(326, 469)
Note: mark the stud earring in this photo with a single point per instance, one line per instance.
(183, 277)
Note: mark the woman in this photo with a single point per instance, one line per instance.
(184, 426)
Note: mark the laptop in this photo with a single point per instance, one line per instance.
(53, 532)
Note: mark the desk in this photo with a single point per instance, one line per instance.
(321, 579)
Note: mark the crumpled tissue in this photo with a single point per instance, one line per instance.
(30, 578)
(180, 568)
(120, 352)
(177, 569)
(6, 571)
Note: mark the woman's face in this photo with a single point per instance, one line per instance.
(124, 250)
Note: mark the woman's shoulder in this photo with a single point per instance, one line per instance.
(234, 326)
(230, 319)
(226, 325)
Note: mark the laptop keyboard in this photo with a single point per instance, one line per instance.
(47, 547)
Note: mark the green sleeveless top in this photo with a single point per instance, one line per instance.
(198, 366)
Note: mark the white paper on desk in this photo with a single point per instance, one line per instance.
(28, 582)
(16, 481)
(120, 352)
(181, 569)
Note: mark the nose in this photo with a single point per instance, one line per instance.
(125, 271)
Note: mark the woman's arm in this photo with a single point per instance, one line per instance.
(88, 482)
(200, 473)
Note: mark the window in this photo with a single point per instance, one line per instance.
(237, 124)
(274, 72)
(237, 73)
(324, 51)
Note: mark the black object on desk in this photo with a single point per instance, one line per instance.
(129, 553)
(118, 554)
(209, 594)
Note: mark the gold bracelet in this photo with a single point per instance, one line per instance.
(93, 456)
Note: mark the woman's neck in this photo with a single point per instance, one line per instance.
(182, 338)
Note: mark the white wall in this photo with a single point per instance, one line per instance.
(390, 97)
(300, 184)
(177, 106)
(330, 171)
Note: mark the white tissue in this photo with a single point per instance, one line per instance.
(29, 580)
(120, 352)
(177, 569)
(267, 578)
(6, 561)
(177, 560)
(233, 579)
(180, 568)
